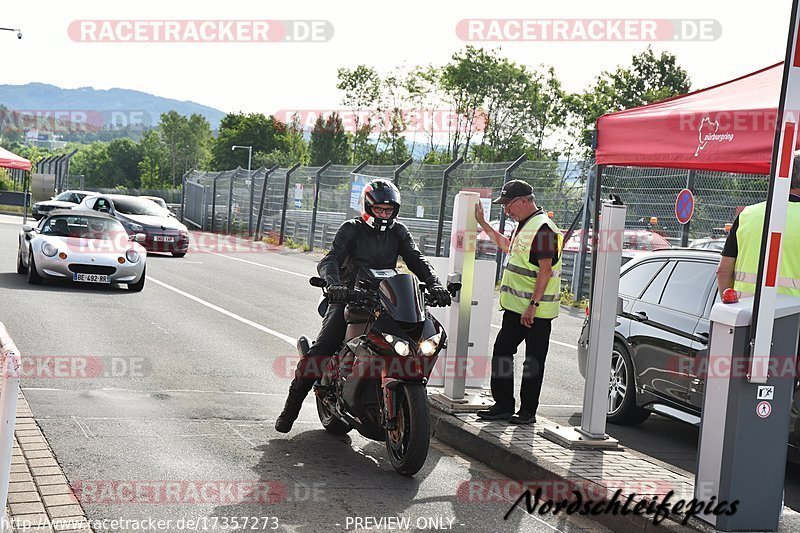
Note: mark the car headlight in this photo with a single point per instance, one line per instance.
(49, 250)
(135, 227)
(400, 346)
(429, 345)
(132, 256)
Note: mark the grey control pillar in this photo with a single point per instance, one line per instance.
(603, 318)
(745, 426)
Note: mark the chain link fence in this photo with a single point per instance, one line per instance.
(304, 206)
(650, 195)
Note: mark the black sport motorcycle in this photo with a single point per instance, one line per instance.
(376, 382)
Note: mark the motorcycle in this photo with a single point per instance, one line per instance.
(376, 382)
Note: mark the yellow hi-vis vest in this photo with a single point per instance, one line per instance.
(519, 277)
(748, 238)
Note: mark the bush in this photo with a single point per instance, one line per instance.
(568, 299)
(6, 183)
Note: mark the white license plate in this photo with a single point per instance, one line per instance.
(90, 278)
(163, 238)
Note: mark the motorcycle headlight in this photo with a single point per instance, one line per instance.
(132, 256)
(49, 250)
(400, 346)
(429, 345)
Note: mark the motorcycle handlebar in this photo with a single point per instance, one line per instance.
(355, 296)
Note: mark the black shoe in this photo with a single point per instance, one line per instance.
(495, 412)
(523, 416)
(297, 393)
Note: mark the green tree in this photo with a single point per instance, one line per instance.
(463, 82)
(362, 88)
(155, 167)
(329, 141)
(263, 133)
(108, 165)
(648, 79)
(186, 141)
(91, 162)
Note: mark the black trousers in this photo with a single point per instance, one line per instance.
(329, 339)
(537, 341)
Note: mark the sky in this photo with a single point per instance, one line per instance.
(67, 43)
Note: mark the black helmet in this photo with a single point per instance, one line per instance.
(379, 192)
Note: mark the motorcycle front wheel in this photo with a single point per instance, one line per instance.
(408, 444)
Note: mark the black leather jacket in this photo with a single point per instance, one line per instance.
(356, 245)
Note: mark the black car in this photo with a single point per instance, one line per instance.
(65, 200)
(164, 233)
(661, 338)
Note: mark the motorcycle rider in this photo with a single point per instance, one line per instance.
(374, 240)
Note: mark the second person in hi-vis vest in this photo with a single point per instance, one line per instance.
(530, 296)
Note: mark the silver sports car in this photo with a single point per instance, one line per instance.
(83, 247)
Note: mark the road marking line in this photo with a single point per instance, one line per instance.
(260, 265)
(551, 342)
(248, 441)
(225, 312)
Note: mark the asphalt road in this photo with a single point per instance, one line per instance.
(166, 407)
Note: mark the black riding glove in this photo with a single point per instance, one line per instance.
(440, 295)
(337, 293)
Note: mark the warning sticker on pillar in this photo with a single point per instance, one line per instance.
(763, 409)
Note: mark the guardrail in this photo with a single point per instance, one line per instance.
(11, 362)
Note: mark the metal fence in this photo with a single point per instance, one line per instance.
(306, 205)
(233, 203)
(651, 192)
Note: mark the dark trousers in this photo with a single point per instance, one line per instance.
(537, 341)
(329, 340)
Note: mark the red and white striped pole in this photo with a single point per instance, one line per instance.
(777, 205)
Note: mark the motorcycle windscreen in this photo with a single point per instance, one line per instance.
(402, 298)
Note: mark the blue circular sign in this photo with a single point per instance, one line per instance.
(684, 206)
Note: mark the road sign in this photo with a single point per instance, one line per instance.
(684, 206)
(763, 409)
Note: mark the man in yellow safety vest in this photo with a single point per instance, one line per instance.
(738, 266)
(530, 296)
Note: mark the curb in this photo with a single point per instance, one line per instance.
(511, 457)
(40, 499)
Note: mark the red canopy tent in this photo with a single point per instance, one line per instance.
(728, 127)
(12, 160)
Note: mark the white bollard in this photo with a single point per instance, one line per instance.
(11, 362)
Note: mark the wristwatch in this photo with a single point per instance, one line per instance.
(534, 303)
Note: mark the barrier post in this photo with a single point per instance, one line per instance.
(8, 409)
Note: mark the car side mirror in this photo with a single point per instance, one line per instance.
(139, 237)
(620, 305)
(27, 228)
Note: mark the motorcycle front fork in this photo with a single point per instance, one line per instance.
(390, 403)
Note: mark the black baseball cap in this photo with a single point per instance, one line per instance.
(513, 189)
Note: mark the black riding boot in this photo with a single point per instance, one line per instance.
(298, 391)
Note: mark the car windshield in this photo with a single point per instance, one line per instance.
(70, 196)
(159, 201)
(138, 206)
(85, 227)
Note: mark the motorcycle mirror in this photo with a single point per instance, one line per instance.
(318, 282)
(453, 288)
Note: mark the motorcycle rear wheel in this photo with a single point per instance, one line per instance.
(408, 444)
(329, 421)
